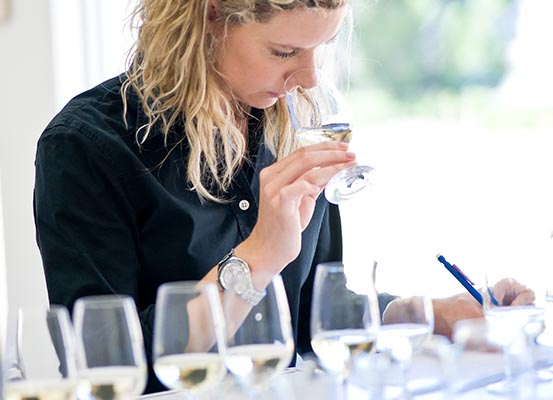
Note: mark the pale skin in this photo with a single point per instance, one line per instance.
(256, 60)
(255, 69)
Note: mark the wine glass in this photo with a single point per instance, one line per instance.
(260, 340)
(510, 327)
(112, 364)
(344, 321)
(318, 113)
(183, 359)
(482, 340)
(40, 356)
(406, 327)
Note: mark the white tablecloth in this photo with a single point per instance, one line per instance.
(426, 380)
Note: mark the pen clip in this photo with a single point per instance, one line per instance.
(456, 268)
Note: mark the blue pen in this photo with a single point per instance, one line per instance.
(461, 277)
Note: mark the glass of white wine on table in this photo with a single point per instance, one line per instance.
(404, 333)
(319, 113)
(110, 348)
(344, 322)
(40, 361)
(260, 339)
(512, 327)
(191, 361)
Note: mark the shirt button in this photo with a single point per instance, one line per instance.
(244, 205)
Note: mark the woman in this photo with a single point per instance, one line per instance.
(185, 166)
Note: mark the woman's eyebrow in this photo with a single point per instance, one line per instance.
(291, 47)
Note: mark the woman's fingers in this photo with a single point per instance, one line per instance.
(317, 167)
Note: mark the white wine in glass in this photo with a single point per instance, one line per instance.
(110, 348)
(261, 344)
(344, 324)
(318, 113)
(48, 373)
(508, 327)
(188, 360)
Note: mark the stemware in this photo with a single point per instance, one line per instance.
(482, 340)
(260, 340)
(405, 333)
(318, 113)
(192, 361)
(112, 364)
(40, 359)
(344, 322)
(511, 327)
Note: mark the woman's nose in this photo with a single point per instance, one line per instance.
(305, 78)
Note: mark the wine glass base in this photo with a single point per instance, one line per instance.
(501, 387)
(347, 183)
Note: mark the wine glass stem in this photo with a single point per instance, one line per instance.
(343, 386)
(404, 368)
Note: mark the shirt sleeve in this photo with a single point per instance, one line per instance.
(85, 222)
(329, 248)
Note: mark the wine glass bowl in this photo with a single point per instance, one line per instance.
(188, 360)
(318, 113)
(260, 341)
(406, 328)
(511, 327)
(50, 372)
(112, 363)
(344, 323)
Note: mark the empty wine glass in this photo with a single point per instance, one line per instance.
(344, 322)
(260, 340)
(112, 364)
(506, 325)
(407, 325)
(188, 360)
(40, 359)
(318, 113)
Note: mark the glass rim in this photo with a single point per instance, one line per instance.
(184, 286)
(331, 265)
(104, 299)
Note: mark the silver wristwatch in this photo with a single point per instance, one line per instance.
(233, 272)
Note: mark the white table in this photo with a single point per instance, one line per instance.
(474, 372)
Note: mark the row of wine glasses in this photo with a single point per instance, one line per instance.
(100, 354)
(254, 345)
(346, 327)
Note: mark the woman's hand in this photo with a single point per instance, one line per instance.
(288, 193)
(448, 311)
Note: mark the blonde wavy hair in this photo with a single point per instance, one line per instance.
(174, 73)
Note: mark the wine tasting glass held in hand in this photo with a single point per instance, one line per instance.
(112, 364)
(506, 325)
(184, 359)
(260, 338)
(40, 359)
(344, 323)
(318, 113)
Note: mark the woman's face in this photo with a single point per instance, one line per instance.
(257, 57)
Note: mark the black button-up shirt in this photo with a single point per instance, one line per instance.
(113, 216)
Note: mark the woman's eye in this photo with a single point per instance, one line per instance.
(284, 54)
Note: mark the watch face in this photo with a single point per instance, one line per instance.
(235, 275)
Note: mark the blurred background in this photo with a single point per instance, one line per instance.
(453, 106)
(453, 101)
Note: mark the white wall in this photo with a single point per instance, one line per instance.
(3, 297)
(26, 105)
